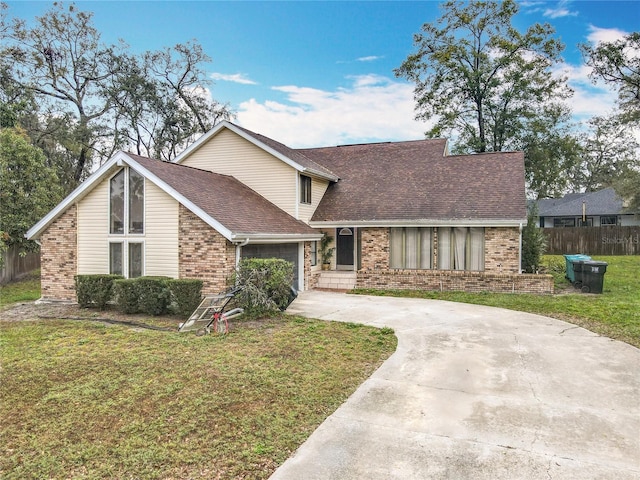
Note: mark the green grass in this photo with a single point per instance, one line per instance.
(615, 313)
(27, 289)
(86, 400)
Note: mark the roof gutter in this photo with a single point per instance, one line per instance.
(418, 223)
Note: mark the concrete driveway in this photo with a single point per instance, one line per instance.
(477, 392)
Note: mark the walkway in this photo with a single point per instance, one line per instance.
(477, 392)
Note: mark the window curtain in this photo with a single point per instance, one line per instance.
(476, 249)
(444, 248)
(396, 243)
(460, 247)
(425, 248)
(411, 248)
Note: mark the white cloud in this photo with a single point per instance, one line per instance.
(235, 78)
(560, 10)
(370, 58)
(373, 108)
(598, 35)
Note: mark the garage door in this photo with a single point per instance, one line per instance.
(286, 251)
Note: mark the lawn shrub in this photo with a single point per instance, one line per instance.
(265, 285)
(186, 294)
(95, 290)
(154, 296)
(126, 295)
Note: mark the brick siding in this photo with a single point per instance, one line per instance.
(500, 275)
(58, 254)
(203, 253)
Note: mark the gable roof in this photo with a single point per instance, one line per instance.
(416, 183)
(602, 202)
(291, 157)
(233, 209)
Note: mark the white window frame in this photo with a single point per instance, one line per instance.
(127, 202)
(124, 244)
(306, 197)
(404, 236)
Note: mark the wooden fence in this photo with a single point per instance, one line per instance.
(593, 240)
(14, 265)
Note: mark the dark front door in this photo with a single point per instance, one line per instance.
(344, 248)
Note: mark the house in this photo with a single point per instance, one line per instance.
(403, 215)
(589, 209)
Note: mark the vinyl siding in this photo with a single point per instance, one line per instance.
(161, 232)
(93, 227)
(318, 187)
(229, 154)
(160, 238)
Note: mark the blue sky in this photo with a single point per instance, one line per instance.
(321, 73)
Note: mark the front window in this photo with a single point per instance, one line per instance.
(564, 222)
(305, 189)
(410, 248)
(116, 197)
(129, 254)
(609, 220)
(126, 203)
(314, 253)
(461, 248)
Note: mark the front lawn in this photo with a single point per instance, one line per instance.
(84, 399)
(615, 313)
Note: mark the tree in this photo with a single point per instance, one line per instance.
(534, 242)
(28, 188)
(63, 63)
(609, 154)
(481, 79)
(618, 63)
(163, 102)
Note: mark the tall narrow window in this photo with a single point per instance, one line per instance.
(116, 197)
(135, 260)
(136, 202)
(410, 248)
(115, 258)
(314, 253)
(305, 189)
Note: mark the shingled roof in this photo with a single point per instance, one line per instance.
(602, 202)
(416, 183)
(225, 199)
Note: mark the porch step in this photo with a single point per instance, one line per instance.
(336, 280)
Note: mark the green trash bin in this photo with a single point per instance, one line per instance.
(573, 267)
(593, 276)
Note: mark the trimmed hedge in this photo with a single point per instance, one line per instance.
(95, 290)
(186, 295)
(265, 285)
(126, 294)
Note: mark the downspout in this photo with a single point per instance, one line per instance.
(239, 246)
(520, 251)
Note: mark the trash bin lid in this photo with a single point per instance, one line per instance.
(577, 257)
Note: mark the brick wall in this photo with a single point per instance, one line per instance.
(447, 281)
(310, 277)
(203, 253)
(501, 250)
(58, 255)
(500, 275)
(374, 248)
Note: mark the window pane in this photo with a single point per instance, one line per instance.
(476, 261)
(136, 202)
(115, 258)
(425, 248)
(135, 260)
(116, 195)
(444, 248)
(314, 253)
(305, 189)
(396, 242)
(411, 248)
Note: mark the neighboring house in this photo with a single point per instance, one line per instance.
(590, 209)
(403, 215)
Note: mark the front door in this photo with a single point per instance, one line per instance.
(344, 248)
